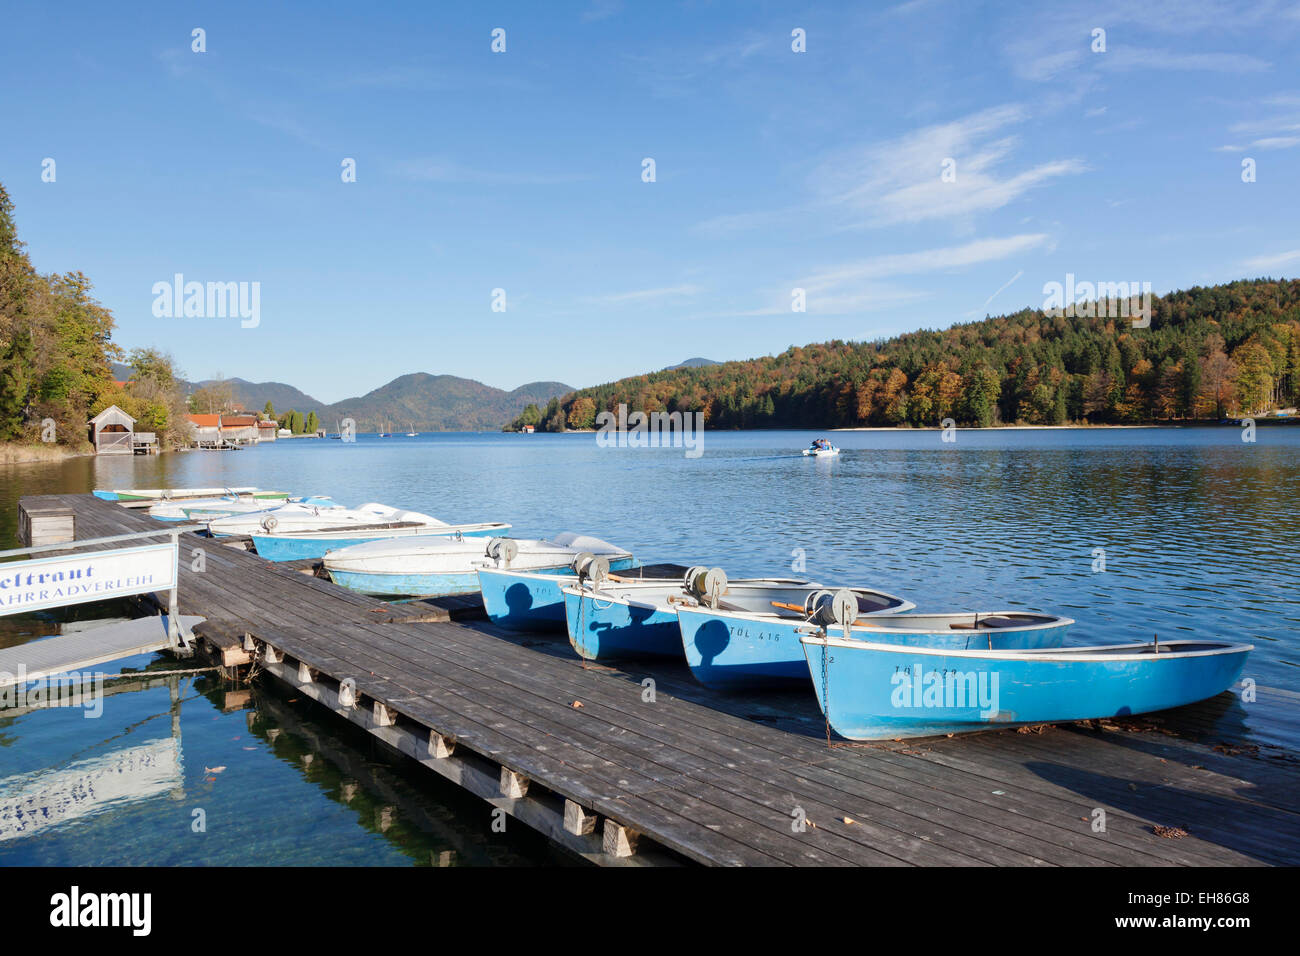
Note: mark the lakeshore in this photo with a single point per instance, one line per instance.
(12, 453)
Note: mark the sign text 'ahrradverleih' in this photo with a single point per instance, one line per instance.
(95, 576)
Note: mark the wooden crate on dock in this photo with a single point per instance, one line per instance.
(40, 524)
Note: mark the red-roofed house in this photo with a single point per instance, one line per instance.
(206, 430)
(239, 429)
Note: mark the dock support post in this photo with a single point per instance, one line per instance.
(619, 841)
(383, 716)
(271, 655)
(347, 693)
(180, 641)
(305, 675)
(513, 785)
(577, 820)
(440, 747)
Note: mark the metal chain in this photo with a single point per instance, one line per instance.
(826, 684)
(582, 641)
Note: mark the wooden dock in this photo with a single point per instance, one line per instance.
(639, 764)
(86, 649)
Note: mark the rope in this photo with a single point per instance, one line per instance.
(127, 674)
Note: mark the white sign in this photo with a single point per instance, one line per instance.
(93, 576)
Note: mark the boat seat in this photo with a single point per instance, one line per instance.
(992, 621)
(665, 572)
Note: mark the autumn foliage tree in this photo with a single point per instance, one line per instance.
(1208, 353)
(56, 350)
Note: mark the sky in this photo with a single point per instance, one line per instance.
(914, 165)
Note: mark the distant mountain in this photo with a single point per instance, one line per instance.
(254, 396)
(250, 395)
(440, 403)
(691, 363)
(429, 402)
(537, 393)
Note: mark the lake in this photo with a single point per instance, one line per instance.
(1180, 532)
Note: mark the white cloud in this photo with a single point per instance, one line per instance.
(928, 260)
(899, 181)
(735, 50)
(601, 10)
(1141, 58)
(867, 284)
(643, 295)
(444, 171)
(1055, 42)
(733, 223)
(1273, 262)
(1276, 142)
(1278, 132)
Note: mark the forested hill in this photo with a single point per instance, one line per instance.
(1208, 353)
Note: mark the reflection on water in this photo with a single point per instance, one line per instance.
(1197, 531)
(165, 778)
(32, 801)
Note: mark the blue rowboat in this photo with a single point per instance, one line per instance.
(608, 625)
(534, 600)
(209, 509)
(730, 649)
(319, 515)
(299, 545)
(435, 565)
(871, 690)
(619, 617)
(242, 506)
(161, 494)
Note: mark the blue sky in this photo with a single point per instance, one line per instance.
(522, 171)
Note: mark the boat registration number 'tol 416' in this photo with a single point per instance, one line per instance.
(746, 634)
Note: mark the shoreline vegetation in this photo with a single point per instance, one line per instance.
(1066, 426)
(14, 453)
(57, 367)
(56, 362)
(1204, 354)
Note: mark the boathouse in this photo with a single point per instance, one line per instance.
(239, 429)
(111, 432)
(205, 430)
